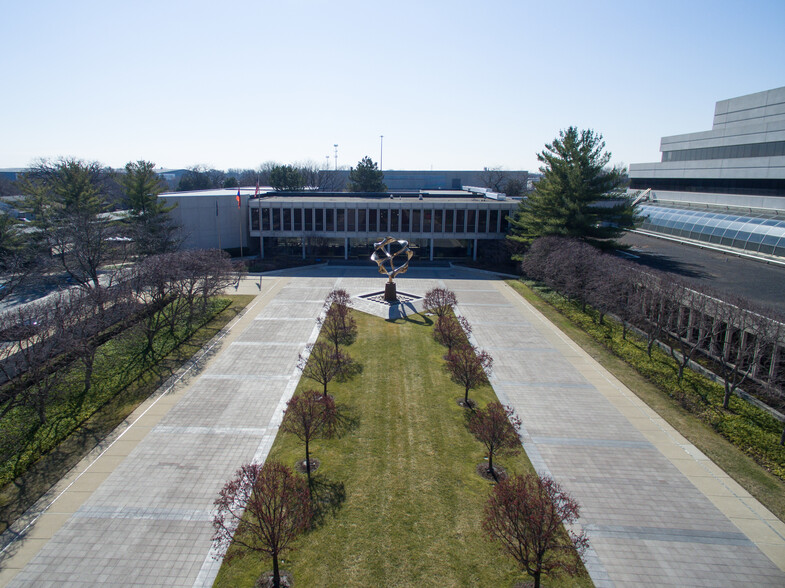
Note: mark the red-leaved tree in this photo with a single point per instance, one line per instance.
(497, 427)
(263, 509)
(439, 301)
(469, 367)
(451, 332)
(526, 515)
(309, 415)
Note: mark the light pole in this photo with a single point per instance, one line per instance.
(336, 156)
(381, 152)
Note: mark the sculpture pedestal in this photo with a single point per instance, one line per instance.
(390, 293)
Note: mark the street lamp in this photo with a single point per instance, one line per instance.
(336, 156)
(381, 152)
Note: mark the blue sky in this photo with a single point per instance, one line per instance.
(450, 85)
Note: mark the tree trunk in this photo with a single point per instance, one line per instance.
(466, 397)
(490, 466)
(726, 398)
(537, 579)
(276, 574)
(308, 464)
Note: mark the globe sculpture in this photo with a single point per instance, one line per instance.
(384, 257)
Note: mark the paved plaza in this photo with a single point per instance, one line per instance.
(138, 510)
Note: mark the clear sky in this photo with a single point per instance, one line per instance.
(450, 84)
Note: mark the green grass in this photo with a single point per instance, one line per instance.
(743, 441)
(75, 424)
(403, 503)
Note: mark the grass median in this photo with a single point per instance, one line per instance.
(72, 429)
(403, 502)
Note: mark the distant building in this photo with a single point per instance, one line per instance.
(725, 186)
(453, 224)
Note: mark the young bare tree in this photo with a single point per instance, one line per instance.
(261, 510)
(497, 427)
(469, 367)
(309, 415)
(322, 364)
(451, 332)
(338, 326)
(526, 515)
(439, 301)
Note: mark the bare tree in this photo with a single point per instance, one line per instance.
(439, 301)
(497, 427)
(338, 326)
(526, 515)
(451, 332)
(309, 415)
(494, 178)
(322, 364)
(262, 509)
(469, 367)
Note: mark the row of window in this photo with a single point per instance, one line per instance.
(757, 187)
(770, 149)
(380, 220)
(755, 234)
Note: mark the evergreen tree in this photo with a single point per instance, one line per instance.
(286, 177)
(153, 230)
(366, 177)
(578, 195)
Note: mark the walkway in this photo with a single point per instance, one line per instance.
(657, 511)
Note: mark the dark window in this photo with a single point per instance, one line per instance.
(362, 214)
(351, 225)
(254, 219)
(395, 215)
(770, 149)
(373, 220)
(340, 219)
(471, 215)
(460, 218)
(416, 216)
(405, 221)
(760, 187)
(319, 219)
(276, 215)
(493, 221)
(330, 219)
(437, 220)
(287, 219)
(482, 218)
(309, 219)
(449, 215)
(298, 219)
(265, 219)
(427, 220)
(384, 217)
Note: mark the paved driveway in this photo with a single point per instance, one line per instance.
(138, 511)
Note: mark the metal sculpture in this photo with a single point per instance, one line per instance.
(383, 256)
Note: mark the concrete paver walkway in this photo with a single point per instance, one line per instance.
(657, 511)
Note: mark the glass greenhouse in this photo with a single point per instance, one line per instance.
(756, 233)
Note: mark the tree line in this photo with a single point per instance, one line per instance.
(744, 341)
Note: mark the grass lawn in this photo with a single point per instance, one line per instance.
(768, 488)
(403, 503)
(114, 399)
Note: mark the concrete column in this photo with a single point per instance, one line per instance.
(431, 249)
(261, 238)
(346, 247)
(474, 251)
(303, 242)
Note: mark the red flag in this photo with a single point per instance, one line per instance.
(257, 188)
(216, 207)
(238, 197)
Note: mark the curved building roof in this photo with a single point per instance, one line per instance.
(754, 233)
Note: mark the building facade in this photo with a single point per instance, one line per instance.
(725, 186)
(449, 224)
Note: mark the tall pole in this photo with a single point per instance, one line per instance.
(381, 153)
(240, 221)
(336, 156)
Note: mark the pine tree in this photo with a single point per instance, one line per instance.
(578, 195)
(366, 177)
